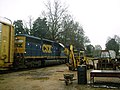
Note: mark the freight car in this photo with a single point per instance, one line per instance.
(24, 51)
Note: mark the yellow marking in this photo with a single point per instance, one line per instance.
(46, 48)
(45, 57)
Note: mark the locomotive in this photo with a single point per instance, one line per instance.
(25, 51)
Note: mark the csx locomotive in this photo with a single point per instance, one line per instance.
(24, 51)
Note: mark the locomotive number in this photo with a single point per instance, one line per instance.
(46, 48)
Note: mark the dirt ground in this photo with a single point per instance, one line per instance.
(48, 79)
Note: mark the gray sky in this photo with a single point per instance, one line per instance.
(99, 18)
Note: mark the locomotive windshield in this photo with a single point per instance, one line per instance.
(18, 43)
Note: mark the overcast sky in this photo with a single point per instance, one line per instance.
(99, 18)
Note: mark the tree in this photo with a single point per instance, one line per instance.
(112, 45)
(98, 47)
(117, 39)
(23, 27)
(19, 28)
(72, 33)
(65, 33)
(40, 28)
(62, 27)
(89, 50)
(55, 14)
(97, 51)
(86, 40)
(79, 36)
(28, 26)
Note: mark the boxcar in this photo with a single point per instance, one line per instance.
(6, 45)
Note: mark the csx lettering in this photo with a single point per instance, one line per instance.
(47, 48)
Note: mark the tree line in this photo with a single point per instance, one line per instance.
(57, 24)
(54, 24)
(112, 43)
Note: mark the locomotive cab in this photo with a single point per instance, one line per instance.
(19, 45)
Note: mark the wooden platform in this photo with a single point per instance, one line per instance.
(104, 73)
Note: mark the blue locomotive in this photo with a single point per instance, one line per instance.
(32, 51)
